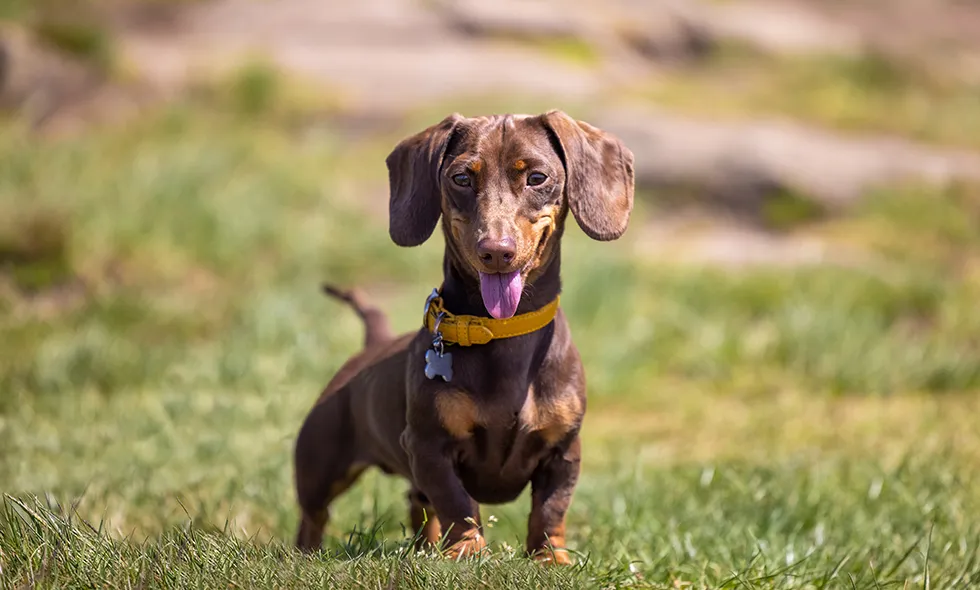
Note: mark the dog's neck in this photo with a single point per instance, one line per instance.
(461, 290)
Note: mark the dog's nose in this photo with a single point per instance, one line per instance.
(497, 254)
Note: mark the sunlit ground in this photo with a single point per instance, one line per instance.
(163, 336)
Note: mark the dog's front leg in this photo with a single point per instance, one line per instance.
(434, 474)
(552, 486)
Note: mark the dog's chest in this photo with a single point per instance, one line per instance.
(500, 446)
(496, 462)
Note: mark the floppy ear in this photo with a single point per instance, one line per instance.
(413, 178)
(598, 176)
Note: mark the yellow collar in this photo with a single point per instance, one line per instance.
(467, 330)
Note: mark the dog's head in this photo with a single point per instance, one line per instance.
(503, 186)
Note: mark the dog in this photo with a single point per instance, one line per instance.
(489, 395)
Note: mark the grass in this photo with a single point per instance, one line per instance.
(804, 518)
(33, 249)
(258, 89)
(14, 9)
(805, 428)
(946, 225)
(868, 93)
(571, 50)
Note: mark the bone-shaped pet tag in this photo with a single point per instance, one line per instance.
(439, 365)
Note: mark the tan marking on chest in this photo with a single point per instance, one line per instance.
(458, 413)
(552, 419)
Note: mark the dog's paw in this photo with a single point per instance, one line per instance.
(470, 545)
(552, 556)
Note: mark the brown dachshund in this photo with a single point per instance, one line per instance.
(490, 393)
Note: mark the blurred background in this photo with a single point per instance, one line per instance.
(783, 352)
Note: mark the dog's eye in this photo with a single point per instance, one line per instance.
(461, 179)
(535, 178)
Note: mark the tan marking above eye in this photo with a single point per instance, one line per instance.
(476, 166)
(520, 165)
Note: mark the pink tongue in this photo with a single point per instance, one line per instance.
(501, 293)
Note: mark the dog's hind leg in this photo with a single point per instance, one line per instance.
(326, 465)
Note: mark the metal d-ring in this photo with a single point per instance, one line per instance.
(437, 344)
(429, 299)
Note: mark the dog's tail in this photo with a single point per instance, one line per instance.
(376, 326)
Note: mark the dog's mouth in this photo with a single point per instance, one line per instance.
(501, 292)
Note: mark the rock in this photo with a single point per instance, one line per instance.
(667, 36)
(781, 28)
(4, 64)
(386, 55)
(743, 163)
(703, 240)
(534, 19)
